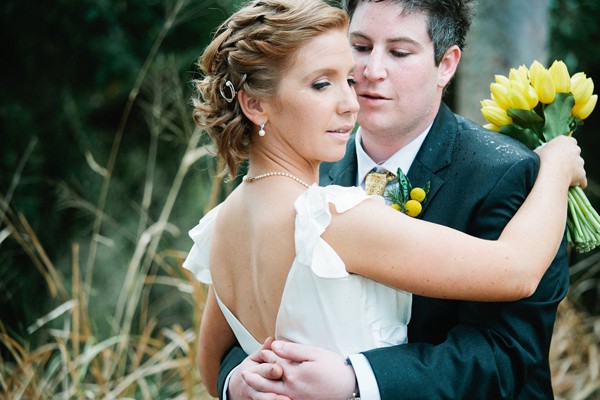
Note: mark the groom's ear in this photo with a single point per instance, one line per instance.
(252, 107)
(448, 64)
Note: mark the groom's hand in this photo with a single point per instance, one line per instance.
(308, 373)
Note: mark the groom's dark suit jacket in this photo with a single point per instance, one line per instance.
(457, 349)
(469, 350)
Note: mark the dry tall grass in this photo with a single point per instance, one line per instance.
(142, 357)
(138, 359)
(575, 350)
(153, 363)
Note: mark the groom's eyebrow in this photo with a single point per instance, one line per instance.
(400, 39)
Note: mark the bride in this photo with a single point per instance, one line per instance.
(331, 266)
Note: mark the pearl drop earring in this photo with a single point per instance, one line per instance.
(262, 132)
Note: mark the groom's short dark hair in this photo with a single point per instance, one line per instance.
(448, 21)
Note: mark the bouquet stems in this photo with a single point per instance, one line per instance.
(583, 222)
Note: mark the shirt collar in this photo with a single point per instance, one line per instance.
(403, 158)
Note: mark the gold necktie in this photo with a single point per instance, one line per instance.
(375, 182)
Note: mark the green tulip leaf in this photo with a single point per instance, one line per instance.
(558, 116)
(524, 135)
(528, 120)
(524, 117)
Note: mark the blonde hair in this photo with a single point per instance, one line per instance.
(252, 49)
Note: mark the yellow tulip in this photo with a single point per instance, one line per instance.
(502, 80)
(583, 110)
(532, 97)
(535, 70)
(544, 86)
(560, 75)
(520, 75)
(500, 95)
(488, 102)
(581, 87)
(491, 127)
(496, 115)
(517, 95)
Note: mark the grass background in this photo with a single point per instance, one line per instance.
(102, 173)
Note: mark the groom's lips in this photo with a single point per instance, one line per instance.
(372, 97)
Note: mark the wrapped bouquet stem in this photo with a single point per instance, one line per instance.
(535, 105)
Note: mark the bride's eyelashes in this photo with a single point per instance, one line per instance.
(321, 85)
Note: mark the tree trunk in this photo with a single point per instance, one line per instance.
(505, 34)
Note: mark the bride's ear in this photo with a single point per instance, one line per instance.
(252, 107)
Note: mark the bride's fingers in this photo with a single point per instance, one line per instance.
(263, 389)
(268, 342)
(268, 370)
(256, 357)
(269, 356)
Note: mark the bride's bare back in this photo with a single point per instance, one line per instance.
(252, 252)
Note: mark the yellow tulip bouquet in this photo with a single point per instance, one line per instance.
(536, 105)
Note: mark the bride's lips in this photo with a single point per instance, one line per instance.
(342, 131)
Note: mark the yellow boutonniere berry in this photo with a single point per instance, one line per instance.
(413, 208)
(405, 198)
(418, 194)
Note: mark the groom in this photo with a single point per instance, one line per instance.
(406, 53)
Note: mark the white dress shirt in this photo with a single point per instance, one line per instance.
(403, 159)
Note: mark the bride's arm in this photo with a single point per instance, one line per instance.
(216, 338)
(436, 261)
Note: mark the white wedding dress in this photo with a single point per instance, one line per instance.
(321, 304)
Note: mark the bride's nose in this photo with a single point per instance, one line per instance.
(348, 103)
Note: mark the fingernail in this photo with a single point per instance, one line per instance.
(276, 345)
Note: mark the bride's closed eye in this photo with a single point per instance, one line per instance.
(320, 85)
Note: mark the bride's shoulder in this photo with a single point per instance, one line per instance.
(341, 197)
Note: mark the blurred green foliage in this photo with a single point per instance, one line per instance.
(68, 67)
(575, 34)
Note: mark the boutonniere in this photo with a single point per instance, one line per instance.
(406, 198)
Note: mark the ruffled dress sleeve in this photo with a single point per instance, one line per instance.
(198, 259)
(324, 305)
(313, 216)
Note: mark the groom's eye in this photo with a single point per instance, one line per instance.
(361, 48)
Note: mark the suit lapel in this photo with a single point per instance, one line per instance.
(343, 172)
(435, 154)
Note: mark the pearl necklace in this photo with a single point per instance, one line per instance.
(269, 174)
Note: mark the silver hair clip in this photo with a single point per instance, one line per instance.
(231, 91)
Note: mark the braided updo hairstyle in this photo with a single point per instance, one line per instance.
(252, 49)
